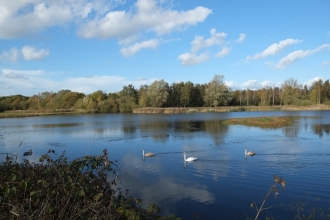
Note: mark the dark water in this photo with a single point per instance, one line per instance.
(221, 184)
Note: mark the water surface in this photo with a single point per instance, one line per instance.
(222, 183)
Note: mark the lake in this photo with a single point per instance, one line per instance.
(220, 184)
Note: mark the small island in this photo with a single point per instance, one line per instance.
(264, 122)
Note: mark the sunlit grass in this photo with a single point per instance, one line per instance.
(264, 122)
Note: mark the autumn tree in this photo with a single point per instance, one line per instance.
(158, 93)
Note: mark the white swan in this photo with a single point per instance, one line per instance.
(147, 154)
(189, 158)
(250, 153)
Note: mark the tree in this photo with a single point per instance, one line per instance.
(175, 92)
(317, 86)
(186, 94)
(326, 92)
(143, 96)
(290, 91)
(127, 99)
(158, 93)
(216, 92)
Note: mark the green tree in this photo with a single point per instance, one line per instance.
(313, 96)
(127, 99)
(175, 92)
(216, 92)
(318, 87)
(326, 92)
(290, 91)
(143, 96)
(158, 93)
(187, 94)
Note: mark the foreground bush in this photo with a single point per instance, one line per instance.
(58, 189)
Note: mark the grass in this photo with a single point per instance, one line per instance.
(177, 110)
(34, 113)
(264, 122)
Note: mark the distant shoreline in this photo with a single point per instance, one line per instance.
(36, 113)
(171, 110)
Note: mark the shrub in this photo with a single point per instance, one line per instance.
(58, 189)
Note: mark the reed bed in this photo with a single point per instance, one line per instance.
(34, 113)
(264, 122)
(171, 110)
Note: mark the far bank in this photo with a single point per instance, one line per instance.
(150, 110)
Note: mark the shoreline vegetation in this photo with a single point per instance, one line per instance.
(264, 122)
(170, 110)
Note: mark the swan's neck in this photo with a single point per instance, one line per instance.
(245, 151)
(184, 156)
(143, 152)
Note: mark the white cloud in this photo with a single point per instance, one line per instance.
(11, 55)
(311, 81)
(18, 18)
(251, 84)
(132, 49)
(216, 38)
(13, 75)
(223, 52)
(31, 53)
(230, 84)
(325, 63)
(23, 72)
(274, 49)
(297, 55)
(192, 58)
(146, 16)
(15, 82)
(241, 38)
(267, 83)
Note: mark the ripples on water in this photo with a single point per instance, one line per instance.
(221, 184)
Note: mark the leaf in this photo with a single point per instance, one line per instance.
(12, 177)
(33, 193)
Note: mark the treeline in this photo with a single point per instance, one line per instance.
(183, 94)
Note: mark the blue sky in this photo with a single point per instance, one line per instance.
(89, 45)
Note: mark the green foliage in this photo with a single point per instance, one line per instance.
(182, 94)
(15, 102)
(157, 93)
(143, 96)
(127, 99)
(216, 92)
(58, 189)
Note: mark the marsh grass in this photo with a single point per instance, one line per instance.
(34, 113)
(264, 122)
(173, 110)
